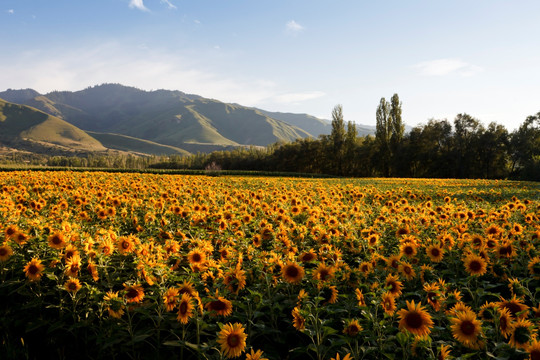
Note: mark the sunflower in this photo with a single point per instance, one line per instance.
(255, 355)
(346, 357)
(219, 306)
(324, 273)
(435, 252)
(522, 332)
(170, 298)
(329, 294)
(308, 256)
(20, 238)
(534, 267)
(134, 293)
(515, 305)
(185, 309)
(352, 328)
(444, 352)
(534, 350)
(415, 319)
(493, 231)
(34, 269)
(235, 279)
(393, 285)
(72, 285)
(393, 261)
(92, 269)
(73, 265)
(232, 340)
(360, 297)
(407, 271)
(388, 303)
(487, 311)
(466, 329)
(5, 252)
(434, 295)
(299, 322)
(57, 240)
(125, 245)
(292, 272)
(10, 230)
(475, 265)
(505, 321)
(186, 288)
(196, 257)
(365, 268)
(115, 308)
(409, 249)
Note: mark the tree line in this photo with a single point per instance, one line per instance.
(464, 148)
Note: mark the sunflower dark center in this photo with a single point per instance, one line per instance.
(183, 307)
(535, 354)
(56, 240)
(503, 323)
(125, 245)
(233, 340)
(414, 320)
(475, 266)
(522, 335)
(196, 257)
(435, 252)
(132, 293)
(217, 305)
(512, 307)
(3, 251)
(292, 271)
(468, 328)
(409, 250)
(33, 269)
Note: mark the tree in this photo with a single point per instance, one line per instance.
(383, 133)
(525, 148)
(337, 138)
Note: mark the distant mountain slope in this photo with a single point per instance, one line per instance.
(134, 145)
(171, 118)
(20, 123)
(166, 117)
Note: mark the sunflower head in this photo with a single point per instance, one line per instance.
(232, 340)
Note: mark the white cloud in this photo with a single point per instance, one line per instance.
(442, 67)
(11, 11)
(298, 97)
(169, 4)
(138, 4)
(144, 68)
(294, 27)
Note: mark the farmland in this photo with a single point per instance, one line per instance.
(119, 265)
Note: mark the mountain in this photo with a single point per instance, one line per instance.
(165, 121)
(28, 128)
(171, 118)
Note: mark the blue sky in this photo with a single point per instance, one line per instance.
(442, 58)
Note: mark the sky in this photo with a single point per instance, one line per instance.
(442, 58)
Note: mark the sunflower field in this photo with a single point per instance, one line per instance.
(133, 266)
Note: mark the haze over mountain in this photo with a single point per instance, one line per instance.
(165, 121)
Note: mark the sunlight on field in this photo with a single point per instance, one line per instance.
(187, 266)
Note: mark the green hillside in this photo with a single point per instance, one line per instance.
(131, 144)
(169, 118)
(18, 122)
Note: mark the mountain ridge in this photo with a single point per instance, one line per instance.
(171, 118)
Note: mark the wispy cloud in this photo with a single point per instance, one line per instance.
(169, 4)
(138, 4)
(442, 67)
(145, 68)
(298, 97)
(10, 11)
(293, 27)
